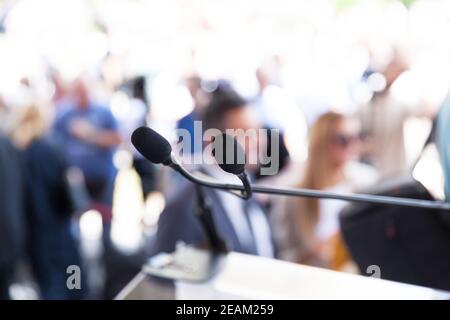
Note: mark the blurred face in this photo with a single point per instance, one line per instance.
(245, 119)
(193, 85)
(263, 78)
(393, 71)
(81, 95)
(344, 141)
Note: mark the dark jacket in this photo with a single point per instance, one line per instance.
(49, 208)
(11, 208)
(178, 222)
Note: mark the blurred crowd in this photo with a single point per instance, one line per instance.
(353, 108)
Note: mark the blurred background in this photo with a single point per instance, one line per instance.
(77, 77)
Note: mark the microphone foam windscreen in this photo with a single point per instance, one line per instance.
(151, 145)
(229, 154)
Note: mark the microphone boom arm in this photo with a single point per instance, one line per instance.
(297, 192)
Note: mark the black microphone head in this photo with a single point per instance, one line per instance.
(152, 145)
(229, 154)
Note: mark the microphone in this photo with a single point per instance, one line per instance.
(157, 149)
(152, 145)
(230, 156)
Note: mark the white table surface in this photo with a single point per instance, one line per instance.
(250, 277)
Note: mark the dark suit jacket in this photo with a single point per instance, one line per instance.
(49, 209)
(178, 222)
(12, 211)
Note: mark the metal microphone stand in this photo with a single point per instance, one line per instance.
(190, 263)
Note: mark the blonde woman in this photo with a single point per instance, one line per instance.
(308, 227)
(49, 207)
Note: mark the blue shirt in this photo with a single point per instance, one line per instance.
(95, 162)
(443, 142)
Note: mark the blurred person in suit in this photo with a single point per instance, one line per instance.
(51, 244)
(243, 225)
(308, 228)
